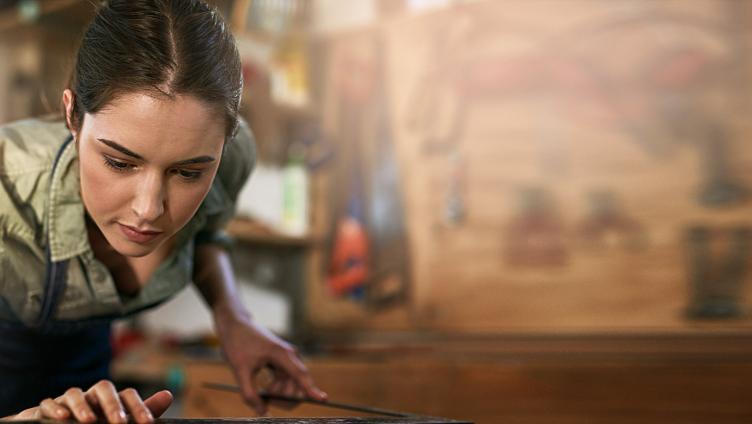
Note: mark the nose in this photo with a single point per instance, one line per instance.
(149, 198)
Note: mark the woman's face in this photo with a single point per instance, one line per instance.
(146, 164)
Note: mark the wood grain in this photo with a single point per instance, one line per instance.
(525, 378)
(553, 139)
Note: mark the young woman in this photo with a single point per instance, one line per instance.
(118, 207)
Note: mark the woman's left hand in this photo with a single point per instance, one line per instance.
(249, 347)
(101, 403)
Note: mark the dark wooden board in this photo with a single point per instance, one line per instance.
(267, 420)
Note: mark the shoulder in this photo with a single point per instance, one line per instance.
(238, 160)
(30, 145)
(27, 155)
(236, 165)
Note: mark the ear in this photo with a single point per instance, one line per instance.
(68, 99)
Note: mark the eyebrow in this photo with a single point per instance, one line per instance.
(125, 151)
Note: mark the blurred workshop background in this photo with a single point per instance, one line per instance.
(520, 211)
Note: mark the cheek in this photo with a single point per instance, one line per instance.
(184, 200)
(100, 190)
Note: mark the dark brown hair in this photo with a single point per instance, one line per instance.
(166, 47)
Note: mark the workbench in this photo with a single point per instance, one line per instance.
(328, 420)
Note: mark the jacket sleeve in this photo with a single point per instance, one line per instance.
(237, 163)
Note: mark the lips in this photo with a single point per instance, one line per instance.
(137, 236)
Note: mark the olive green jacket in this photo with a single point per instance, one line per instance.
(39, 208)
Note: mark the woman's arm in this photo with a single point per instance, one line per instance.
(214, 277)
(249, 347)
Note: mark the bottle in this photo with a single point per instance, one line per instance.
(295, 194)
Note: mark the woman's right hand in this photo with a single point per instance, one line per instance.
(100, 402)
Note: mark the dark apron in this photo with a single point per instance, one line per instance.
(46, 359)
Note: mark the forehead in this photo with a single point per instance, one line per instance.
(159, 126)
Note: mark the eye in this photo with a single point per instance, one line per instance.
(116, 164)
(188, 175)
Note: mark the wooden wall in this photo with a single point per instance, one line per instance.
(598, 151)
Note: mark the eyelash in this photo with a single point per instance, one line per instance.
(189, 176)
(117, 166)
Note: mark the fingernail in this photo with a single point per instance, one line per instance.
(60, 411)
(147, 415)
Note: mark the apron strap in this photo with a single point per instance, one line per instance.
(54, 286)
(55, 278)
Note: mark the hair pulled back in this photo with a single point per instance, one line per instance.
(165, 47)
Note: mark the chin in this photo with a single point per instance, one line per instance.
(134, 252)
(132, 249)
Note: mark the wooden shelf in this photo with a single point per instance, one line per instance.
(252, 232)
(10, 19)
(307, 112)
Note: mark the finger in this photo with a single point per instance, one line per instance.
(48, 408)
(75, 400)
(249, 391)
(295, 369)
(276, 387)
(135, 406)
(105, 394)
(290, 388)
(159, 402)
(280, 387)
(299, 393)
(26, 414)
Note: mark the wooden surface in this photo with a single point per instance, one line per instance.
(330, 420)
(264, 420)
(523, 379)
(251, 232)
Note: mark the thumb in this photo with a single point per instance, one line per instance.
(249, 392)
(26, 414)
(159, 402)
